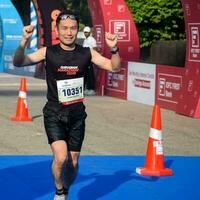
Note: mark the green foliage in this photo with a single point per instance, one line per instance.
(157, 20)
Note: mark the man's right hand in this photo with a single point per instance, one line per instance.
(28, 31)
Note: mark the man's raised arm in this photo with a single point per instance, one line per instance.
(20, 59)
(112, 64)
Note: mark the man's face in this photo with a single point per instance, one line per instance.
(87, 34)
(67, 31)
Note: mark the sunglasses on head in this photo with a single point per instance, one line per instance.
(66, 16)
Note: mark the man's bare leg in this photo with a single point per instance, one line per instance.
(70, 169)
(59, 149)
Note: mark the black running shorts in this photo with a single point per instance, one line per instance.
(65, 123)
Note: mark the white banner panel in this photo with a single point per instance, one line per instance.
(141, 82)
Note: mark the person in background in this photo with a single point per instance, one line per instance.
(90, 42)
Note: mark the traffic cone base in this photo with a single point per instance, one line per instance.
(154, 172)
(15, 118)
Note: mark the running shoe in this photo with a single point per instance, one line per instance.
(60, 197)
(91, 92)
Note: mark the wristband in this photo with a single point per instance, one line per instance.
(114, 50)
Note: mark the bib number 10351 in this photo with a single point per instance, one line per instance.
(70, 91)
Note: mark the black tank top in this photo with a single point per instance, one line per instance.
(62, 64)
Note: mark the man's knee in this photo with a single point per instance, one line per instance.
(59, 160)
(73, 159)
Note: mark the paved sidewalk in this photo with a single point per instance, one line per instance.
(114, 126)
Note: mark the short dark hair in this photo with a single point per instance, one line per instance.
(67, 14)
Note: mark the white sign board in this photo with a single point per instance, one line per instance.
(141, 83)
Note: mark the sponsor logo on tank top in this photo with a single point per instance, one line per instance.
(70, 70)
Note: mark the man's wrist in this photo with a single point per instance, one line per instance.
(23, 42)
(114, 50)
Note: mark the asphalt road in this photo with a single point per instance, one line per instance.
(113, 126)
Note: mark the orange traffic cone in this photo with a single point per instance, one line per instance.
(154, 163)
(22, 109)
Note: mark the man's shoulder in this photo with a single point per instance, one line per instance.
(91, 38)
(91, 42)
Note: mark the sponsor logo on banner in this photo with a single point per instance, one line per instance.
(115, 81)
(8, 58)
(99, 37)
(194, 42)
(140, 79)
(99, 34)
(130, 49)
(121, 28)
(121, 8)
(188, 10)
(54, 37)
(13, 37)
(4, 5)
(107, 2)
(10, 21)
(141, 83)
(169, 87)
(190, 85)
(8, 61)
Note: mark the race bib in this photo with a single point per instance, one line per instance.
(70, 91)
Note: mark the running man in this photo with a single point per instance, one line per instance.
(64, 112)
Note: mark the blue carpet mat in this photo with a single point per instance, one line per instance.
(100, 178)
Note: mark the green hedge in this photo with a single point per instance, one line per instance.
(157, 20)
